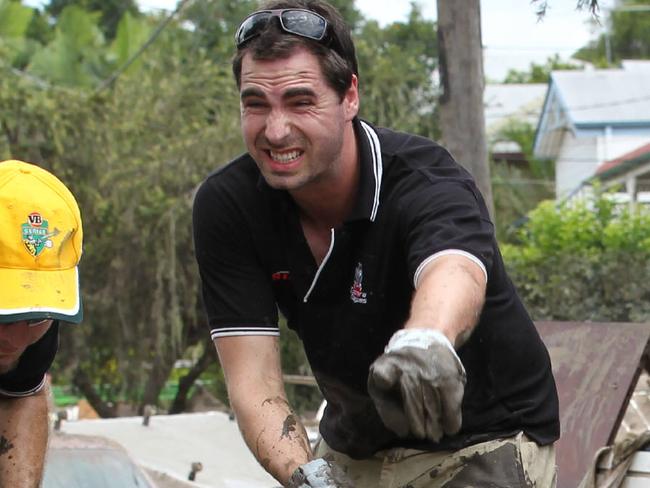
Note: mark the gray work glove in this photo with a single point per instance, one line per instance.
(319, 474)
(417, 385)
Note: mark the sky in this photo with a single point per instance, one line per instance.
(512, 36)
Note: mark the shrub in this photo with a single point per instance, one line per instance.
(583, 261)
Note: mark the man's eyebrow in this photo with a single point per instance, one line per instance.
(299, 92)
(251, 92)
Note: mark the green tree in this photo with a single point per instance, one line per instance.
(539, 73)
(15, 21)
(627, 35)
(76, 55)
(518, 189)
(132, 155)
(110, 11)
(396, 66)
(586, 260)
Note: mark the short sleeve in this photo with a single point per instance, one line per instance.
(28, 377)
(442, 215)
(237, 293)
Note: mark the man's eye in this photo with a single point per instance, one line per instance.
(254, 104)
(305, 102)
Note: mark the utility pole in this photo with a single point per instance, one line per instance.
(462, 117)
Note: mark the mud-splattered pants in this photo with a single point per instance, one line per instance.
(514, 462)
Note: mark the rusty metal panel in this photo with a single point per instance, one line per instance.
(596, 366)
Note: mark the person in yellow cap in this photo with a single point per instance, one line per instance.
(40, 247)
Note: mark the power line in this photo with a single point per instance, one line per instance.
(522, 181)
(614, 103)
(531, 48)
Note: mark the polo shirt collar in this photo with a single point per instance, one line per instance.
(371, 167)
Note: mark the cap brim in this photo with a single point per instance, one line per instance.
(30, 294)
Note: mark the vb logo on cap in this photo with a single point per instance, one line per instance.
(41, 243)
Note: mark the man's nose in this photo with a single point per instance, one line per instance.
(278, 127)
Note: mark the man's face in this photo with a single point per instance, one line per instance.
(15, 337)
(294, 124)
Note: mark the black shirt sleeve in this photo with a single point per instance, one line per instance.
(237, 293)
(28, 375)
(445, 213)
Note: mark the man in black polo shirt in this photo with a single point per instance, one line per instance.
(40, 247)
(378, 249)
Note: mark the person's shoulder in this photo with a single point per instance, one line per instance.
(396, 142)
(418, 154)
(240, 172)
(237, 178)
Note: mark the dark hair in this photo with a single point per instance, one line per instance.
(337, 56)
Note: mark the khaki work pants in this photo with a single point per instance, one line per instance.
(514, 462)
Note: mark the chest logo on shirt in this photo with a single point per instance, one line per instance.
(357, 295)
(280, 276)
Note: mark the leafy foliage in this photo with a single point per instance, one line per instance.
(628, 35)
(397, 89)
(110, 11)
(539, 73)
(583, 261)
(517, 189)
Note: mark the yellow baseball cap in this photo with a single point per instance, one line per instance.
(40, 246)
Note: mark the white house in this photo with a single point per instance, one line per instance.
(590, 117)
(629, 174)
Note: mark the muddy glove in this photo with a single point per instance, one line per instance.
(319, 474)
(417, 385)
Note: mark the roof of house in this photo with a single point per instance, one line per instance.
(593, 98)
(604, 97)
(624, 163)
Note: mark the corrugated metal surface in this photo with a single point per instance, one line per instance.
(171, 443)
(75, 461)
(611, 95)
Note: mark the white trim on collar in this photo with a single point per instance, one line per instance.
(377, 165)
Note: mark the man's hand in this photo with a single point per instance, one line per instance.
(319, 474)
(417, 385)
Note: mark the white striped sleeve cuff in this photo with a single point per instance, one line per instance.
(447, 252)
(244, 331)
(19, 394)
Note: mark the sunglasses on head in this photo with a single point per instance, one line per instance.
(300, 22)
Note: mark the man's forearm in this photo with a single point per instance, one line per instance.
(23, 440)
(275, 435)
(449, 298)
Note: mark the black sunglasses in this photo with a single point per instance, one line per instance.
(296, 21)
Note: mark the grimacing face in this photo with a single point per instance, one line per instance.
(15, 337)
(293, 122)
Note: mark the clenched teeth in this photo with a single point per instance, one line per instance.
(285, 157)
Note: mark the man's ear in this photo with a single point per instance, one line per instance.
(351, 99)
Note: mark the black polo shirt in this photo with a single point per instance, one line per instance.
(28, 377)
(414, 203)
